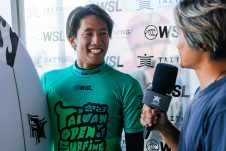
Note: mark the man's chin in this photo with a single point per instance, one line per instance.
(98, 63)
(182, 65)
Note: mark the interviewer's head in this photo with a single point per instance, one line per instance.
(203, 23)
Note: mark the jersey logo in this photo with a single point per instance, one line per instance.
(83, 87)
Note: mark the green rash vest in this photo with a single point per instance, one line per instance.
(90, 108)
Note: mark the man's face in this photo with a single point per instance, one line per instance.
(189, 57)
(91, 42)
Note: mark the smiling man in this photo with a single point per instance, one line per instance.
(91, 103)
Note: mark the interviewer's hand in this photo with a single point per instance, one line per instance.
(151, 116)
(168, 131)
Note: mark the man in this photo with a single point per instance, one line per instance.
(91, 103)
(202, 47)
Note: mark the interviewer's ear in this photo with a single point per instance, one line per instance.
(204, 47)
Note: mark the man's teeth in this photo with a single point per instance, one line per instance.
(95, 50)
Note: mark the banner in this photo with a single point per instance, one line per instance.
(144, 34)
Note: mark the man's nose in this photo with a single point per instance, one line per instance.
(95, 38)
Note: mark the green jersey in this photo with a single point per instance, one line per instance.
(90, 108)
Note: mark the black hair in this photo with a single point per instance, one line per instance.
(74, 18)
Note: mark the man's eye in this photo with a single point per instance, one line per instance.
(88, 34)
(104, 33)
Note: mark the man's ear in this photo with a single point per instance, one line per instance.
(72, 41)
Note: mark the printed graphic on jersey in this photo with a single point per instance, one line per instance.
(82, 128)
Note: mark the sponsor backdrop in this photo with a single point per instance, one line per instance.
(144, 35)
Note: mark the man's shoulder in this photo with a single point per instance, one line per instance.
(116, 72)
(119, 75)
(54, 75)
(57, 72)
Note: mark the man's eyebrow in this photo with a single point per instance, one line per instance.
(101, 29)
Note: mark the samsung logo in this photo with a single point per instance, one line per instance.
(121, 33)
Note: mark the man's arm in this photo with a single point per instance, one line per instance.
(134, 141)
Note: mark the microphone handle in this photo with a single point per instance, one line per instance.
(147, 131)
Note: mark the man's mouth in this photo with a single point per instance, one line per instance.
(95, 51)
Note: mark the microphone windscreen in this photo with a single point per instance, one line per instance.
(164, 78)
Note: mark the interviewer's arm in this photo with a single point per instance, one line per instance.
(169, 133)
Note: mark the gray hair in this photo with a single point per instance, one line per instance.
(203, 23)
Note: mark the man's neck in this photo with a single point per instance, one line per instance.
(210, 72)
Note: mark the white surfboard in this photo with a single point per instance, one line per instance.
(24, 117)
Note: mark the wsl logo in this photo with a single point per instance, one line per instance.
(167, 4)
(151, 32)
(109, 6)
(53, 36)
(178, 91)
(82, 87)
(113, 61)
(153, 145)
